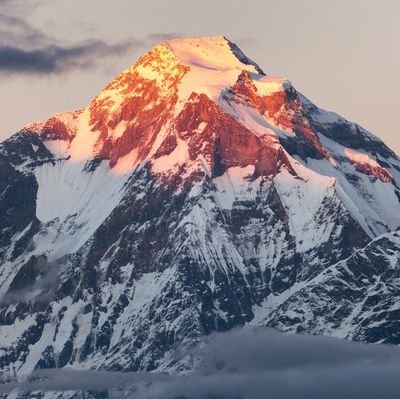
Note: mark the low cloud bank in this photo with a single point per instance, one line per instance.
(249, 364)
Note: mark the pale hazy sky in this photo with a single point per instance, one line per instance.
(55, 55)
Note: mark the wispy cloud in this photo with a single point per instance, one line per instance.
(57, 59)
(42, 290)
(25, 49)
(250, 364)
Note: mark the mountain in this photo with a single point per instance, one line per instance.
(361, 297)
(193, 194)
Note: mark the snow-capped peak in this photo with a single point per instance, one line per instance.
(193, 194)
(130, 114)
(206, 65)
(211, 53)
(129, 121)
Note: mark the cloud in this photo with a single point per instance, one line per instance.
(57, 59)
(25, 49)
(43, 289)
(249, 364)
(20, 6)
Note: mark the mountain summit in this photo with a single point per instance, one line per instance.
(194, 194)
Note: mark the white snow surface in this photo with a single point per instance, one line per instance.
(360, 157)
(73, 203)
(374, 203)
(213, 65)
(267, 85)
(302, 198)
(166, 163)
(235, 185)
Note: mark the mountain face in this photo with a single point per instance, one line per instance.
(193, 194)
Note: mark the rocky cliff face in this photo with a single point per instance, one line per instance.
(193, 194)
(360, 292)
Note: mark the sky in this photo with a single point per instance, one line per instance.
(264, 364)
(56, 55)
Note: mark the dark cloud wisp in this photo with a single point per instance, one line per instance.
(25, 49)
(55, 58)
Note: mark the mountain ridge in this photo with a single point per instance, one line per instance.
(193, 194)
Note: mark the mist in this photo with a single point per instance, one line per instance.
(247, 363)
